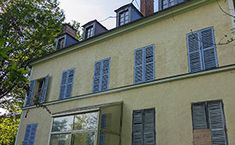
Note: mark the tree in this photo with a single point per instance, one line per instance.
(26, 29)
(8, 129)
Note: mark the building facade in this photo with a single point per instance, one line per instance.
(157, 79)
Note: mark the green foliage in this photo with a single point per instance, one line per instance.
(8, 129)
(26, 28)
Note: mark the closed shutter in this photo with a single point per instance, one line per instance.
(217, 123)
(199, 116)
(137, 128)
(69, 83)
(105, 74)
(149, 63)
(143, 130)
(194, 53)
(43, 93)
(30, 96)
(101, 75)
(63, 85)
(208, 48)
(103, 126)
(30, 134)
(149, 127)
(97, 76)
(139, 64)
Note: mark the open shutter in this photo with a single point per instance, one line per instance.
(30, 134)
(194, 53)
(69, 85)
(149, 127)
(29, 98)
(103, 126)
(217, 123)
(97, 76)
(208, 48)
(199, 116)
(137, 128)
(149, 63)
(43, 93)
(105, 74)
(63, 85)
(139, 64)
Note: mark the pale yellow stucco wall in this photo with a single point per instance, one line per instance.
(172, 100)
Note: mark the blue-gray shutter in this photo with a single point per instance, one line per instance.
(69, 84)
(149, 127)
(208, 48)
(97, 77)
(217, 123)
(103, 126)
(194, 53)
(43, 93)
(30, 96)
(143, 127)
(149, 63)
(139, 64)
(30, 134)
(138, 128)
(105, 74)
(63, 85)
(199, 116)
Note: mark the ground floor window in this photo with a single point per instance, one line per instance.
(143, 127)
(100, 127)
(209, 123)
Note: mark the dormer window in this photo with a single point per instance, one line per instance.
(93, 28)
(126, 14)
(164, 4)
(89, 32)
(167, 3)
(123, 18)
(61, 43)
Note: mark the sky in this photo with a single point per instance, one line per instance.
(84, 11)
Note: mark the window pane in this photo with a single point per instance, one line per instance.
(86, 121)
(62, 139)
(62, 124)
(110, 119)
(87, 138)
(109, 139)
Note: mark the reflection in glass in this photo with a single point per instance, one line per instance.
(60, 139)
(86, 138)
(86, 121)
(62, 124)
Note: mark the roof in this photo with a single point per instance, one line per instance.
(94, 21)
(128, 5)
(179, 8)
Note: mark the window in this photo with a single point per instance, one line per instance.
(169, 3)
(101, 127)
(201, 50)
(101, 75)
(89, 31)
(30, 134)
(208, 119)
(61, 43)
(144, 64)
(143, 127)
(123, 17)
(38, 91)
(66, 84)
